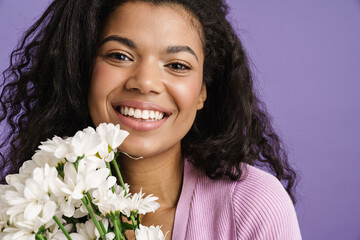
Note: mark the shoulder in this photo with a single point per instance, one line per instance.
(262, 208)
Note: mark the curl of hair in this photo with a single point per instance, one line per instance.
(46, 88)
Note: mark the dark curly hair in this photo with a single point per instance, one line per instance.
(46, 85)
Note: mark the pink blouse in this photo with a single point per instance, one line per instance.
(255, 207)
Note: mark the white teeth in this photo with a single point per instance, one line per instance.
(141, 114)
(137, 113)
(131, 112)
(145, 114)
(152, 114)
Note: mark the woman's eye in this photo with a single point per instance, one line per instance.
(178, 66)
(118, 56)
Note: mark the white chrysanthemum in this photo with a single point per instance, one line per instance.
(28, 167)
(55, 233)
(119, 190)
(80, 181)
(84, 143)
(23, 229)
(93, 162)
(110, 202)
(88, 230)
(141, 205)
(3, 207)
(105, 155)
(69, 206)
(77, 183)
(149, 233)
(54, 151)
(48, 178)
(112, 134)
(32, 201)
(13, 233)
(16, 181)
(39, 159)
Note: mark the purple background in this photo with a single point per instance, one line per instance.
(306, 60)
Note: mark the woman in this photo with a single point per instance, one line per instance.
(175, 76)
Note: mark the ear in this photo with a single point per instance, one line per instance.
(202, 97)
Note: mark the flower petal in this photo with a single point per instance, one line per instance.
(32, 211)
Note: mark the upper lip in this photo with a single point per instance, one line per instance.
(141, 105)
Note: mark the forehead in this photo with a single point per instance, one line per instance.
(170, 21)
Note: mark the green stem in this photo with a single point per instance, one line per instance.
(91, 213)
(102, 226)
(62, 228)
(119, 174)
(94, 208)
(39, 236)
(138, 219)
(108, 166)
(133, 221)
(117, 227)
(121, 223)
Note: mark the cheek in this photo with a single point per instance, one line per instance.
(100, 87)
(190, 93)
(186, 94)
(101, 80)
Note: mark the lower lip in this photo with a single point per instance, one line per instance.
(140, 125)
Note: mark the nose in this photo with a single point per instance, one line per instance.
(146, 79)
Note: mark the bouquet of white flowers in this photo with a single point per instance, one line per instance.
(67, 191)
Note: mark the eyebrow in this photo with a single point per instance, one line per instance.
(119, 39)
(177, 49)
(131, 44)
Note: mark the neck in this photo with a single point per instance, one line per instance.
(161, 176)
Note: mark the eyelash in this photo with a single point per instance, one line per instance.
(119, 56)
(182, 66)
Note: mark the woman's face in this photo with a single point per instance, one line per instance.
(148, 75)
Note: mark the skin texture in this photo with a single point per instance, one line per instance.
(146, 70)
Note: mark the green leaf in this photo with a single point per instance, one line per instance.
(60, 169)
(127, 226)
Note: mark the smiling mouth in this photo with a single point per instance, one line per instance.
(141, 114)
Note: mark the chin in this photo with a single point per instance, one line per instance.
(150, 150)
(138, 151)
